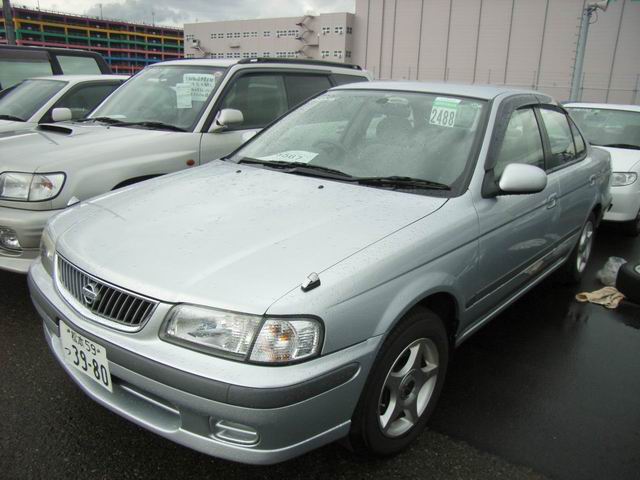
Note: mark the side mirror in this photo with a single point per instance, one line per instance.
(226, 118)
(61, 114)
(520, 178)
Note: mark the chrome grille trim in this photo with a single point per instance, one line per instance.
(112, 306)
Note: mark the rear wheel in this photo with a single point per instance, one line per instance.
(403, 386)
(577, 262)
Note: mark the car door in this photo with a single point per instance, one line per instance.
(514, 229)
(570, 165)
(261, 97)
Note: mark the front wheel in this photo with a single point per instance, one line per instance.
(403, 386)
(578, 260)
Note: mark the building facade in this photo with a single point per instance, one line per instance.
(127, 47)
(324, 36)
(523, 43)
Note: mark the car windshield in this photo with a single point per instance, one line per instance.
(27, 98)
(171, 95)
(369, 134)
(608, 127)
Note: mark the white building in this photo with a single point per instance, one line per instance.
(324, 36)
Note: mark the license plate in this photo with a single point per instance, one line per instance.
(85, 356)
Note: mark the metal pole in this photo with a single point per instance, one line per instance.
(7, 12)
(580, 50)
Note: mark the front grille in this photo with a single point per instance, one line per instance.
(103, 300)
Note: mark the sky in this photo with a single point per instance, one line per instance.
(179, 12)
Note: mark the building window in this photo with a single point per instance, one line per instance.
(349, 30)
(326, 30)
(229, 55)
(236, 54)
(236, 35)
(245, 34)
(338, 30)
(337, 53)
(266, 54)
(213, 35)
(245, 55)
(189, 55)
(347, 54)
(190, 36)
(254, 34)
(254, 54)
(229, 35)
(266, 33)
(325, 53)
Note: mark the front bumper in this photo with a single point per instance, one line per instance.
(28, 225)
(289, 419)
(625, 203)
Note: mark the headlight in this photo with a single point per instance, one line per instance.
(30, 187)
(230, 334)
(622, 179)
(47, 251)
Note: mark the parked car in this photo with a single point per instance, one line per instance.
(17, 63)
(313, 284)
(52, 99)
(169, 117)
(616, 128)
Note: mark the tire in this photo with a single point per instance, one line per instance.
(628, 281)
(403, 386)
(632, 228)
(576, 264)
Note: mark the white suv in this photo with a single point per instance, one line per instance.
(171, 116)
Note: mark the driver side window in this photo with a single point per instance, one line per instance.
(522, 142)
(260, 98)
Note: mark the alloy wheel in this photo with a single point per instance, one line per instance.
(585, 246)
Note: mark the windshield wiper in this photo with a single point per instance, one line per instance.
(619, 145)
(109, 120)
(152, 125)
(402, 182)
(298, 167)
(13, 118)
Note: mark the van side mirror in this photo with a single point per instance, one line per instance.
(522, 179)
(61, 114)
(226, 118)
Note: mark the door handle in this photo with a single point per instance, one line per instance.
(552, 201)
(592, 180)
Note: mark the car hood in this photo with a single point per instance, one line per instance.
(9, 128)
(57, 147)
(230, 236)
(623, 159)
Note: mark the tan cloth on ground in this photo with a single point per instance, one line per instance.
(609, 297)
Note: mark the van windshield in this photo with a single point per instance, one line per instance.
(171, 95)
(27, 98)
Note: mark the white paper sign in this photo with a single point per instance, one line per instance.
(291, 156)
(443, 112)
(201, 85)
(183, 95)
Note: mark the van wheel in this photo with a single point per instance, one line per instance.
(403, 386)
(577, 262)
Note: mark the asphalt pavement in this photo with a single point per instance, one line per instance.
(550, 388)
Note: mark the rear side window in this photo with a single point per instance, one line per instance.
(577, 139)
(302, 87)
(342, 79)
(74, 65)
(15, 70)
(260, 98)
(560, 137)
(522, 142)
(82, 100)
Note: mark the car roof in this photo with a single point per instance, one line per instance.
(49, 49)
(486, 92)
(269, 62)
(83, 78)
(603, 106)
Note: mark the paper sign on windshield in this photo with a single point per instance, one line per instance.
(201, 85)
(291, 156)
(183, 95)
(443, 112)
